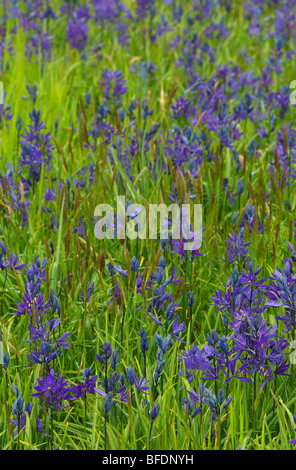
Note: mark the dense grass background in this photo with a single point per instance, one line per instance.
(62, 83)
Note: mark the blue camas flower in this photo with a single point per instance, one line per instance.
(107, 352)
(54, 389)
(154, 412)
(88, 386)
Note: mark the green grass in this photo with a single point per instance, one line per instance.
(61, 84)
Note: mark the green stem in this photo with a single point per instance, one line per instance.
(150, 431)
